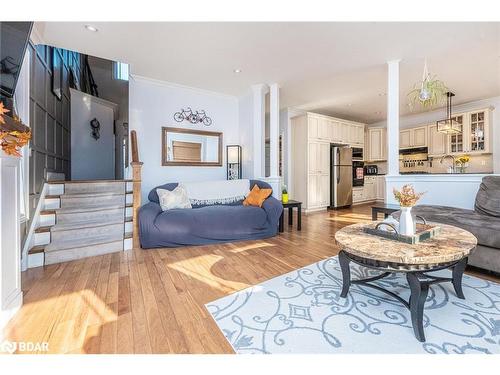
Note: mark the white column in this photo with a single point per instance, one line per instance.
(259, 109)
(393, 117)
(274, 129)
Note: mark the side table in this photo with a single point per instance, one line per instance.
(290, 205)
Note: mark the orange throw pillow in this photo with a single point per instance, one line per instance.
(257, 196)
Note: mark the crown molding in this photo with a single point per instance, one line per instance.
(179, 86)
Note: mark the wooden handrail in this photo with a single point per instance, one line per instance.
(136, 188)
(135, 151)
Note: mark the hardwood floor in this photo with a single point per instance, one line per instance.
(152, 301)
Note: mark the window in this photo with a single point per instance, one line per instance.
(120, 71)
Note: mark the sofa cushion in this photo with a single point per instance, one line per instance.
(488, 197)
(171, 199)
(257, 196)
(207, 224)
(486, 228)
(153, 195)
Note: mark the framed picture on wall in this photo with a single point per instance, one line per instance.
(57, 67)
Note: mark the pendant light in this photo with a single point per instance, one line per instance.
(449, 125)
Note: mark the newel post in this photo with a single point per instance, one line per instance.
(136, 187)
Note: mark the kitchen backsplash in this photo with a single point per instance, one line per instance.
(477, 164)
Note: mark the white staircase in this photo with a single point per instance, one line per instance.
(79, 219)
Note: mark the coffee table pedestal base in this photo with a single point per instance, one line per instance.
(418, 281)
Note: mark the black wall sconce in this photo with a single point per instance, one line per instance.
(233, 160)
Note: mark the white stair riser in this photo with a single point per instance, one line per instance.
(112, 214)
(47, 220)
(129, 227)
(36, 260)
(56, 189)
(51, 203)
(129, 198)
(130, 186)
(72, 202)
(41, 238)
(129, 212)
(81, 233)
(127, 244)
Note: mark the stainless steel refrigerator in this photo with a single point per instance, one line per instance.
(340, 176)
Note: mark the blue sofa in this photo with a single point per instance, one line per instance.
(204, 225)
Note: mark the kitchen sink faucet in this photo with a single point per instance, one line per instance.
(451, 168)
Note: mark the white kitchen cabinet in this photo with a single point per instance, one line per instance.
(414, 137)
(380, 188)
(312, 135)
(377, 145)
(419, 136)
(405, 138)
(456, 143)
(477, 132)
(357, 195)
(438, 142)
(370, 188)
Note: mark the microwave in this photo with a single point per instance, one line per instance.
(357, 153)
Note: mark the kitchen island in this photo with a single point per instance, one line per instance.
(448, 189)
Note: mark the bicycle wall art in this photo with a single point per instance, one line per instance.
(198, 117)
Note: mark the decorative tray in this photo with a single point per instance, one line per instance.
(423, 232)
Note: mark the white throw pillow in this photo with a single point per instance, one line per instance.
(176, 198)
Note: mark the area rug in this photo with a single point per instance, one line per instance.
(302, 312)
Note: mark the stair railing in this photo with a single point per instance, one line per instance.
(136, 186)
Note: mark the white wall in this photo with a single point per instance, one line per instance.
(152, 106)
(91, 159)
(433, 116)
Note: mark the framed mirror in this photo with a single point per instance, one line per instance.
(186, 147)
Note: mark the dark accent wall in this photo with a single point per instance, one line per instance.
(50, 118)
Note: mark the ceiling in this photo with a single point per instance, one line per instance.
(331, 68)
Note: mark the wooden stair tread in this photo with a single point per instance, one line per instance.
(43, 229)
(129, 205)
(56, 182)
(47, 212)
(129, 219)
(37, 249)
(128, 235)
(53, 196)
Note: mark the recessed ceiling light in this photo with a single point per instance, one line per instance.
(349, 104)
(237, 70)
(378, 112)
(382, 94)
(91, 28)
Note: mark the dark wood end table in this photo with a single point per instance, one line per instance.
(384, 208)
(290, 205)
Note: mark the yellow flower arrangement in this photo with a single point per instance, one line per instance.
(11, 141)
(464, 159)
(407, 197)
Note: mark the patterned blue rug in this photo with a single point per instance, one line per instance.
(302, 312)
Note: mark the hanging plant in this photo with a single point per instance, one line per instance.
(12, 141)
(429, 92)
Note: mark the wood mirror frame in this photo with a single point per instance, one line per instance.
(164, 153)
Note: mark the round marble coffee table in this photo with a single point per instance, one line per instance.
(449, 249)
